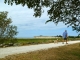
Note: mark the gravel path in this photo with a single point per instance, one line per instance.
(23, 49)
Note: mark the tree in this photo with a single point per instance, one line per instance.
(7, 31)
(66, 11)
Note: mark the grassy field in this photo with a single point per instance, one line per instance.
(32, 41)
(40, 41)
(69, 52)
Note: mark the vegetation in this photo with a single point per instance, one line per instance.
(66, 11)
(41, 41)
(69, 52)
(7, 31)
(33, 41)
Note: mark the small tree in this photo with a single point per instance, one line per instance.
(7, 31)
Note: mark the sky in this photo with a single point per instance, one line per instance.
(28, 26)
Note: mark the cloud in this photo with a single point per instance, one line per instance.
(38, 25)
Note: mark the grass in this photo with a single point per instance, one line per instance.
(32, 41)
(68, 52)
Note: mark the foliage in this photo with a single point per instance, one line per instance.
(66, 11)
(33, 41)
(7, 31)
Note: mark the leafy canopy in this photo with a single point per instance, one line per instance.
(66, 11)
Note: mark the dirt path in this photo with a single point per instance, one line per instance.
(23, 49)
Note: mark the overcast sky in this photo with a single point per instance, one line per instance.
(29, 26)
